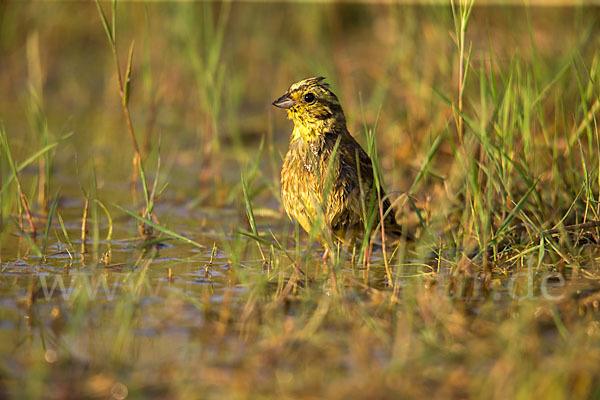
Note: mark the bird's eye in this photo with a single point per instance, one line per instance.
(309, 97)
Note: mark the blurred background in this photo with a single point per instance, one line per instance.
(204, 76)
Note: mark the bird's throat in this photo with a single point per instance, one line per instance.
(312, 131)
(305, 134)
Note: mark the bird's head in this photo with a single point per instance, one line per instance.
(313, 108)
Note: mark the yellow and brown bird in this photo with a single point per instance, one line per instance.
(327, 177)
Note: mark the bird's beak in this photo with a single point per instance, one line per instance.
(284, 101)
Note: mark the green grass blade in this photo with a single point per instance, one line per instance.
(107, 28)
(34, 157)
(49, 222)
(64, 230)
(514, 212)
(160, 228)
(423, 171)
(249, 210)
(32, 245)
(127, 82)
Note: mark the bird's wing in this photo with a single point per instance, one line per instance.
(360, 194)
(353, 182)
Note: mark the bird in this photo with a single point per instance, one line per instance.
(327, 179)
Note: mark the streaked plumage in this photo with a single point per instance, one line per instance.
(319, 123)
